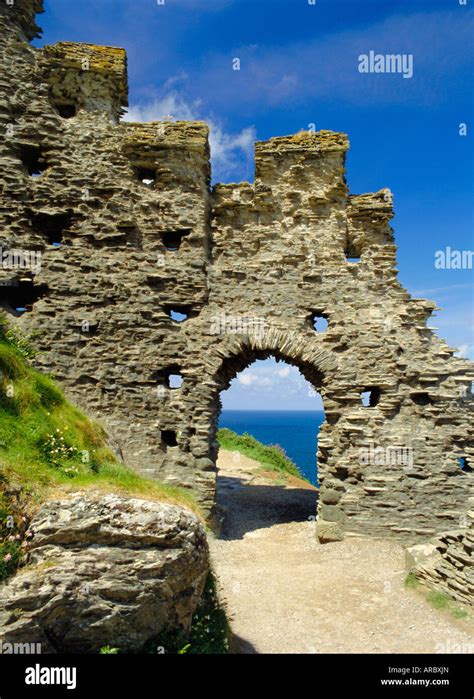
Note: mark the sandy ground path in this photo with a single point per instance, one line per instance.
(285, 592)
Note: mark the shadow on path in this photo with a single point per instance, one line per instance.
(248, 507)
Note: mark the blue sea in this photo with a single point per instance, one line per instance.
(294, 430)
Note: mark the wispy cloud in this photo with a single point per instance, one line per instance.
(284, 378)
(327, 67)
(284, 372)
(465, 352)
(271, 384)
(452, 288)
(229, 151)
(254, 379)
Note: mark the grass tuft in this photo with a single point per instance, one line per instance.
(272, 458)
(439, 600)
(459, 613)
(209, 633)
(412, 581)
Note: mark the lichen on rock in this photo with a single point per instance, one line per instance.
(105, 570)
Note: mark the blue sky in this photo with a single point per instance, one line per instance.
(298, 66)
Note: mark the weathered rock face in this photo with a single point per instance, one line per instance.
(447, 564)
(105, 570)
(130, 231)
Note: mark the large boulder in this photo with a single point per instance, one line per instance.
(105, 570)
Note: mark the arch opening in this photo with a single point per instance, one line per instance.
(269, 412)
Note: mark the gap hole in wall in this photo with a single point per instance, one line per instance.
(52, 226)
(370, 397)
(353, 252)
(319, 322)
(19, 296)
(178, 313)
(170, 377)
(464, 464)
(33, 160)
(172, 239)
(175, 380)
(146, 176)
(67, 110)
(168, 437)
(421, 398)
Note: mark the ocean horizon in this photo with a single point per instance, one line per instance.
(296, 431)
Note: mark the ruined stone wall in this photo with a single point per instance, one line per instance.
(129, 230)
(447, 564)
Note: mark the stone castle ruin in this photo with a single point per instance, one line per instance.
(154, 290)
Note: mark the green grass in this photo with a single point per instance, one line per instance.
(48, 447)
(209, 632)
(209, 629)
(437, 599)
(412, 581)
(109, 650)
(272, 458)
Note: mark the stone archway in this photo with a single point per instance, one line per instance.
(235, 364)
(368, 485)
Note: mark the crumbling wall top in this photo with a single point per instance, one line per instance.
(190, 135)
(285, 159)
(22, 13)
(161, 147)
(67, 59)
(309, 141)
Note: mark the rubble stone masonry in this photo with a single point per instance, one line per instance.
(130, 233)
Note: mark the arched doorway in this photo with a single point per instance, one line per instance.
(267, 460)
(314, 364)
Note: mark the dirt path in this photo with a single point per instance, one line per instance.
(285, 592)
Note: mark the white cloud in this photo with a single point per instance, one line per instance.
(227, 149)
(254, 378)
(465, 351)
(247, 379)
(170, 105)
(326, 67)
(286, 378)
(441, 289)
(285, 371)
(270, 385)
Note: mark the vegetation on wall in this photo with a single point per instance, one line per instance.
(271, 457)
(47, 444)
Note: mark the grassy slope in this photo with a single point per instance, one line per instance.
(272, 458)
(49, 447)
